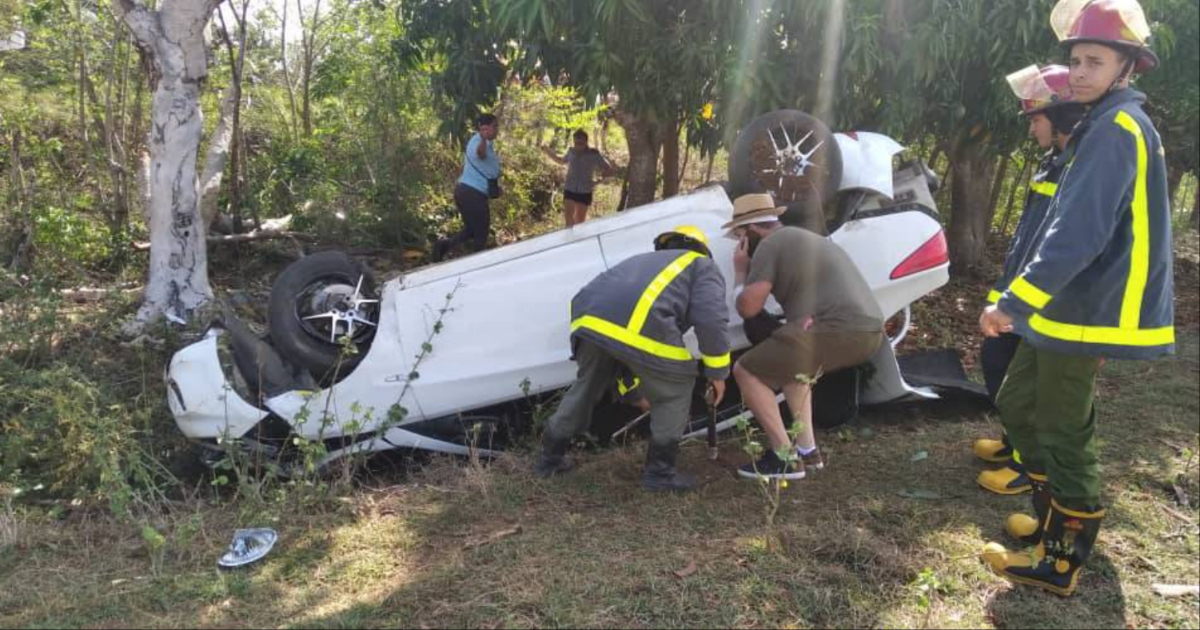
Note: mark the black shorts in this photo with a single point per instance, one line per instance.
(583, 198)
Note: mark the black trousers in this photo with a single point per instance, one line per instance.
(476, 217)
(995, 355)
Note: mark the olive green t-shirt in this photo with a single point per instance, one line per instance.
(811, 275)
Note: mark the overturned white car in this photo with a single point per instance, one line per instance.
(447, 346)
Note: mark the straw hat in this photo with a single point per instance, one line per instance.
(754, 208)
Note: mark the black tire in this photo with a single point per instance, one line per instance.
(752, 157)
(305, 343)
(809, 215)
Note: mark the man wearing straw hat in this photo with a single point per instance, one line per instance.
(832, 322)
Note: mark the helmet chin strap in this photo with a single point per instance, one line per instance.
(1126, 72)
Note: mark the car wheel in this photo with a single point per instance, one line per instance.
(789, 154)
(316, 303)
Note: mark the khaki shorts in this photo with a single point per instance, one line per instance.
(790, 350)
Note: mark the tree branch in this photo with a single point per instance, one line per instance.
(218, 154)
(257, 235)
(140, 20)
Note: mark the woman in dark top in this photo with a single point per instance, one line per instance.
(582, 162)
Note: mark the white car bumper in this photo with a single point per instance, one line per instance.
(204, 404)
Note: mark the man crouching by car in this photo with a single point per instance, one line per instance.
(833, 323)
(635, 315)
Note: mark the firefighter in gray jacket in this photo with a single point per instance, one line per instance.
(635, 315)
(1099, 286)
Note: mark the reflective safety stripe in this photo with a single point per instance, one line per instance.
(1103, 334)
(656, 287)
(716, 362)
(631, 334)
(1032, 295)
(1077, 513)
(994, 296)
(1139, 259)
(1044, 188)
(623, 388)
(631, 339)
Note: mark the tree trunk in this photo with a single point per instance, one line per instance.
(970, 187)
(283, 62)
(106, 118)
(1196, 205)
(687, 156)
(642, 138)
(308, 41)
(1174, 179)
(602, 141)
(934, 156)
(1022, 182)
(671, 159)
(173, 37)
(708, 169)
(22, 203)
(998, 185)
(236, 66)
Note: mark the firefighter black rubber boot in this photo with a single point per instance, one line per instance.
(1068, 538)
(1025, 528)
(553, 460)
(659, 474)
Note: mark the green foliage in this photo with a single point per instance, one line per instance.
(74, 423)
(70, 238)
(927, 586)
(1173, 89)
(954, 58)
(66, 434)
(455, 44)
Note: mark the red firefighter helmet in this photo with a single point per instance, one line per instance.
(1042, 88)
(1117, 23)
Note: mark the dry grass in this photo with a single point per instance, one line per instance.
(456, 545)
(12, 524)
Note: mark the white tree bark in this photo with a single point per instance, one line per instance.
(173, 38)
(217, 155)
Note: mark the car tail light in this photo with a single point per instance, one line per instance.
(932, 254)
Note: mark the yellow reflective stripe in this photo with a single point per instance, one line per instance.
(1034, 296)
(656, 287)
(716, 362)
(1139, 259)
(1077, 513)
(1044, 188)
(1017, 456)
(993, 296)
(623, 389)
(632, 339)
(1103, 334)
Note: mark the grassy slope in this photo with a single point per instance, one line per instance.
(592, 550)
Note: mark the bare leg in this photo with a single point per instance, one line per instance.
(581, 211)
(760, 398)
(568, 212)
(799, 400)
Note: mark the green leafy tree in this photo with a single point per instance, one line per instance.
(954, 56)
(1173, 90)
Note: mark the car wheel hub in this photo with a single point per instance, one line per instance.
(339, 311)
